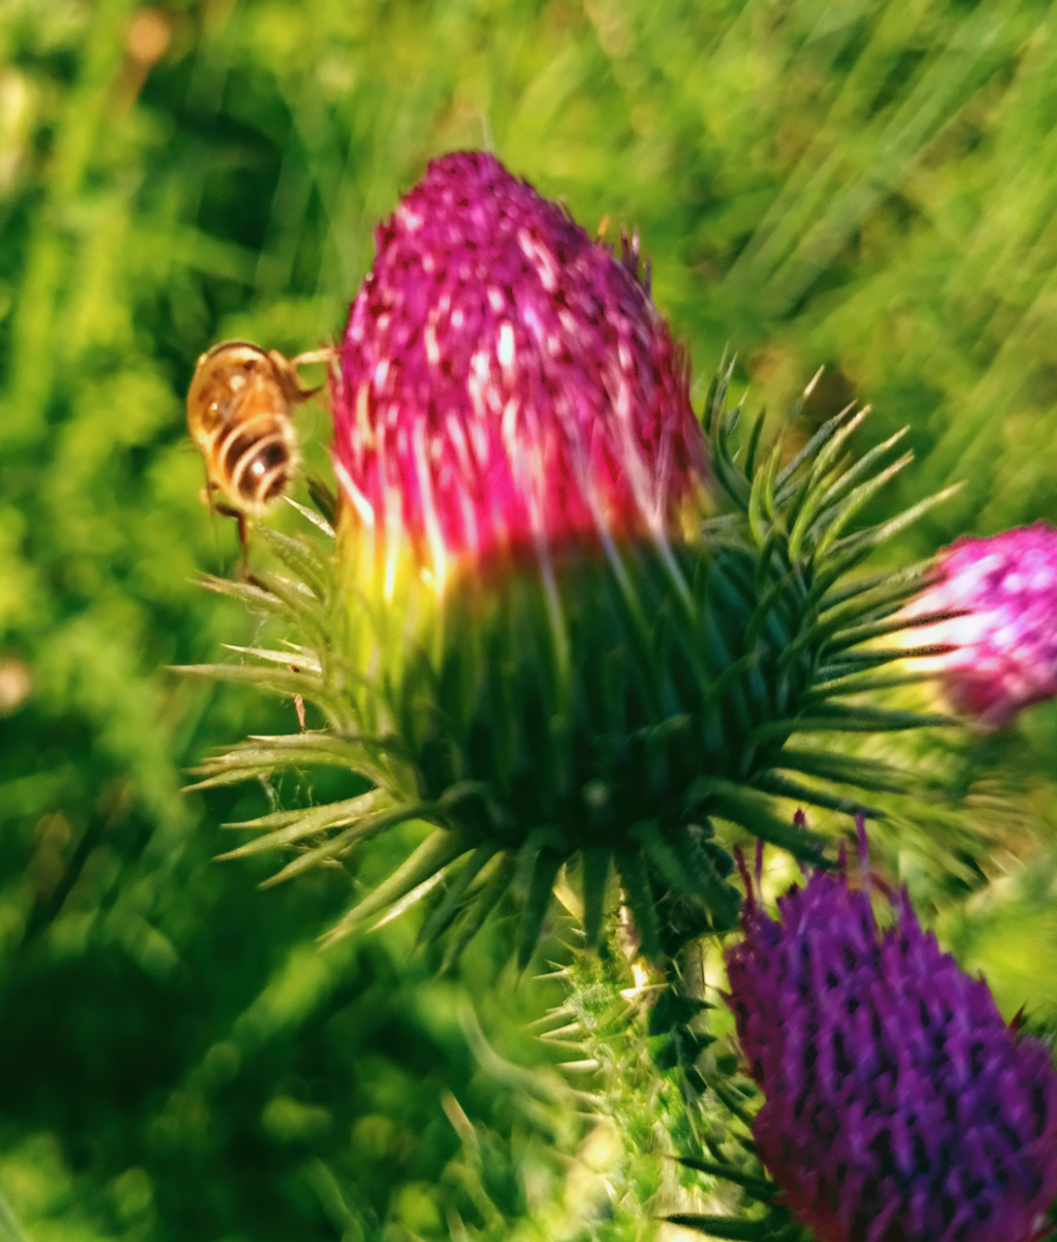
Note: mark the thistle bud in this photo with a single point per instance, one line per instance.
(506, 385)
(899, 1105)
(528, 635)
(1004, 643)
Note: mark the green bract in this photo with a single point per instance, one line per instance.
(630, 712)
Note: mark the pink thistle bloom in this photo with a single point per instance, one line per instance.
(1006, 656)
(506, 384)
(899, 1105)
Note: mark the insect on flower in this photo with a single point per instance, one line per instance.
(239, 410)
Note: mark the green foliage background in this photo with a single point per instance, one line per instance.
(869, 186)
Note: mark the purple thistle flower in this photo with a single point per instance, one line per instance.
(1006, 656)
(507, 384)
(899, 1105)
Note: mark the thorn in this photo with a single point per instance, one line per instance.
(603, 225)
(588, 1065)
(461, 1124)
(573, 1028)
(632, 993)
(864, 847)
(313, 355)
(552, 1016)
(743, 871)
(814, 380)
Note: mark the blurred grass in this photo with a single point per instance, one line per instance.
(871, 186)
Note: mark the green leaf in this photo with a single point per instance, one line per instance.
(255, 598)
(829, 526)
(849, 551)
(440, 918)
(761, 499)
(856, 683)
(848, 718)
(850, 421)
(548, 863)
(781, 787)
(721, 1226)
(300, 559)
(298, 657)
(861, 469)
(310, 515)
(439, 849)
(786, 482)
(813, 493)
(251, 759)
(853, 662)
(368, 827)
(753, 444)
(268, 680)
(595, 862)
(302, 606)
(754, 811)
(325, 500)
(277, 681)
(891, 584)
(311, 821)
(721, 899)
(871, 774)
(853, 636)
(758, 1187)
(631, 866)
(714, 398)
(501, 873)
(227, 776)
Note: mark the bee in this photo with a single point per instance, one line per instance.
(238, 413)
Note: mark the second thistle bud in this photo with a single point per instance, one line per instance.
(899, 1106)
(1003, 654)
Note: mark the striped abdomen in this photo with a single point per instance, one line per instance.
(254, 461)
(238, 413)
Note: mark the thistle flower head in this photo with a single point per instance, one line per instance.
(899, 1105)
(507, 398)
(505, 382)
(1006, 641)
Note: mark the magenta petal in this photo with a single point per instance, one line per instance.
(1006, 641)
(505, 382)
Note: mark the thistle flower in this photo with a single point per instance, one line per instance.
(528, 636)
(899, 1106)
(506, 385)
(1005, 644)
